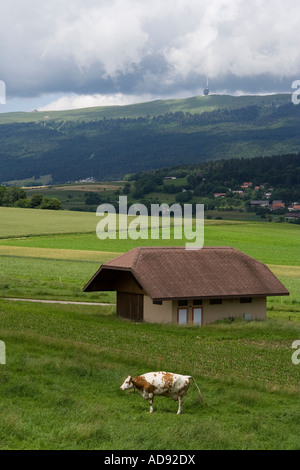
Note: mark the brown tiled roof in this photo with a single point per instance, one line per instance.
(177, 273)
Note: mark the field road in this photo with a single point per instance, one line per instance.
(54, 301)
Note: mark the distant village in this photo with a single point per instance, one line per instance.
(291, 211)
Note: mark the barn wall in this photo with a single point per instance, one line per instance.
(228, 309)
(140, 307)
(157, 313)
(233, 308)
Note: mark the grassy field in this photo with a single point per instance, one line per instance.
(38, 263)
(65, 363)
(23, 222)
(271, 243)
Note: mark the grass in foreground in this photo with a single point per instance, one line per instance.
(65, 364)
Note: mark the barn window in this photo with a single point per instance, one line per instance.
(182, 303)
(215, 301)
(246, 300)
(157, 302)
(197, 302)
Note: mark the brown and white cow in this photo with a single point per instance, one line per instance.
(161, 383)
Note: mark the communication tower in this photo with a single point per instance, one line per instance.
(206, 89)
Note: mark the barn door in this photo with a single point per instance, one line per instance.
(197, 316)
(130, 306)
(182, 316)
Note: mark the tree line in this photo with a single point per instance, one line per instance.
(14, 196)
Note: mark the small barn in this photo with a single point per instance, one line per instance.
(176, 285)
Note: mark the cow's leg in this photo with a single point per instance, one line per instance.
(150, 400)
(180, 401)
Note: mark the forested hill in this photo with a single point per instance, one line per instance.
(107, 143)
(278, 175)
(282, 171)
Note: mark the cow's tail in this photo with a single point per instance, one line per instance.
(199, 392)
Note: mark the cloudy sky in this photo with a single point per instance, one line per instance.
(62, 54)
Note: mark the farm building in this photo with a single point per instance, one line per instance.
(172, 284)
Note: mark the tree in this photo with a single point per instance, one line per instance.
(93, 199)
(12, 195)
(23, 203)
(3, 190)
(51, 203)
(184, 196)
(9, 196)
(126, 189)
(36, 200)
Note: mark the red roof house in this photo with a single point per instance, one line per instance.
(172, 284)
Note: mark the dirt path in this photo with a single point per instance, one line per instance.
(54, 301)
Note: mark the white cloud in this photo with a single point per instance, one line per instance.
(136, 47)
(110, 35)
(88, 101)
(241, 38)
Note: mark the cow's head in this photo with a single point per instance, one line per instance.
(127, 384)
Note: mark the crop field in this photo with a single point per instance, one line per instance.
(73, 196)
(64, 364)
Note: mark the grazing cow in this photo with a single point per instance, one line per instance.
(161, 383)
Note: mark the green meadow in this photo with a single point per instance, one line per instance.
(64, 364)
(23, 222)
(271, 243)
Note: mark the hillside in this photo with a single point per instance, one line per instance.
(109, 142)
(196, 104)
